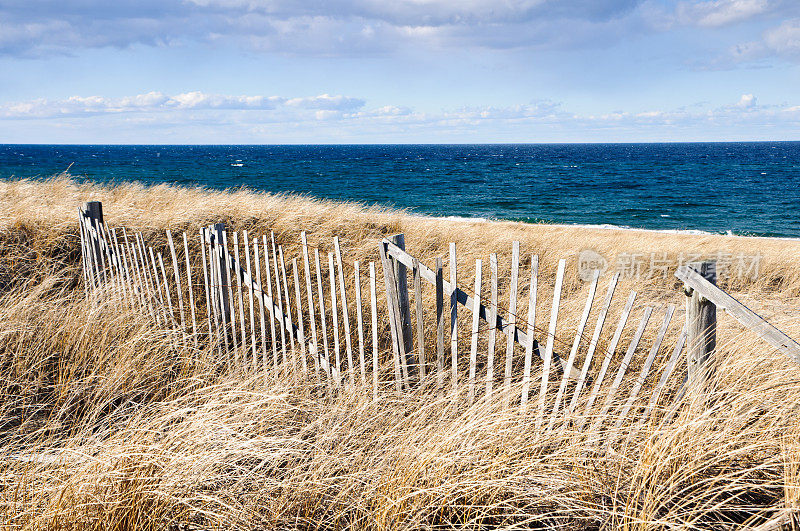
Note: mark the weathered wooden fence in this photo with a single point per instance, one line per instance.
(263, 310)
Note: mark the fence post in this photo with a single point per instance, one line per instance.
(94, 210)
(701, 327)
(217, 230)
(94, 215)
(401, 285)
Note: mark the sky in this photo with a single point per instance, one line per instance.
(398, 71)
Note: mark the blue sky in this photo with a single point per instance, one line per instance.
(406, 71)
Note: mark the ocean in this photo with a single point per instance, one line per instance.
(743, 188)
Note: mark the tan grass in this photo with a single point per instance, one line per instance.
(106, 425)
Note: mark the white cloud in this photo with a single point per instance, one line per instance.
(200, 100)
(156, 102)
(747, 101)
(199, 117)
(784, 39)
(327, 102)
(781, 41)
(721, 12)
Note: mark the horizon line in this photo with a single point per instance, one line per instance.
(289, 144)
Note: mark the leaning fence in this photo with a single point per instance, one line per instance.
(311, 311)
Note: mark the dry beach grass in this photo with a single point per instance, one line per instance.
(106, 425)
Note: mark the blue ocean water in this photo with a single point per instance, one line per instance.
(743, 188)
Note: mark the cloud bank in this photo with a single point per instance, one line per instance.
(47, 27)
(197, 116)
(157, 102)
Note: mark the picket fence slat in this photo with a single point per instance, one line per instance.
(261, 305)
(279, 298)
(271, 307)
(84, 255)
(419, 315)
(227, 261)
(190, 288)
(127, 258)
(320, 285)
(511, 327)
(335, 318)
(221, 300)
(359, 322)
(287, 299)
(453, 290)
(551, 337)
(208, 275)
(374, 305)
(345, 314)
(157, 287)
(300, 325)
(473, 349)
(123, 277)
(178, 288)
(250, 298)
(310, 301)
(492, 330)
(236, 266)
(529, 341)
(440, 355)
